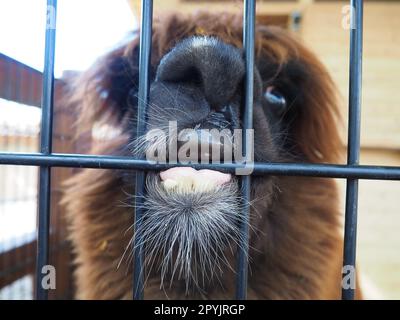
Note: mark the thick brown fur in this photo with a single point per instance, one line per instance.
(297, 254)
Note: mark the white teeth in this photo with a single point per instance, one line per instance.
(204, 185)
(188, 185)
(169, 184)
(188, 180)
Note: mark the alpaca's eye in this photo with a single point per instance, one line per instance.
(275, 98)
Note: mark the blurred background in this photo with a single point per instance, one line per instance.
(87, 29)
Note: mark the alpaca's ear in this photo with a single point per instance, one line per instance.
(107, 92)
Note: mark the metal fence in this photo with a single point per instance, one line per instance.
(20, 95)
(18, 201)
(352, 171)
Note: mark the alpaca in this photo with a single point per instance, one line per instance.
(190, 226)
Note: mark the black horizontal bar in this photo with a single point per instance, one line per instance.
(260, 168)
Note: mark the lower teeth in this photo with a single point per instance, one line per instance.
(187, 185)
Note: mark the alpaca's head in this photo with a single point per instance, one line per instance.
(191, 218)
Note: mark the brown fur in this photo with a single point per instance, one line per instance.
(297, 255)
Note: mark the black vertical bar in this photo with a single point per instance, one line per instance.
(353, 148)
(46, 148)
(248, 44)
(143, 95)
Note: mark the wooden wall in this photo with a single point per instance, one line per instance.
(322, 31)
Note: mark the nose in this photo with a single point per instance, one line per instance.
(213, 65)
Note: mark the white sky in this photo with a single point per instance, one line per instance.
(85, 30)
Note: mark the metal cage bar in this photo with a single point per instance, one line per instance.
(260, 168)
(46, 149)
(249, 22)
(353, 146)
(143, 96)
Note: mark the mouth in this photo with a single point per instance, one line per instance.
(188, 180)
(190, 227)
